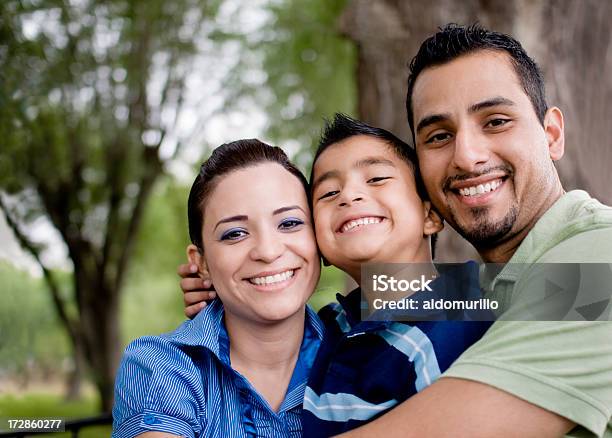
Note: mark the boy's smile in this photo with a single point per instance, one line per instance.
(366, 207)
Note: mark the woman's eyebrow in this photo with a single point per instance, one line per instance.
(288, 208)
(237, 218)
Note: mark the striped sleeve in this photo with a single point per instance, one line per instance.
(157, 388)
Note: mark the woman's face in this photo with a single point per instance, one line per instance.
(259, 244)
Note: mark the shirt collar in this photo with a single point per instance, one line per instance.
(207, 330)
(548, 231)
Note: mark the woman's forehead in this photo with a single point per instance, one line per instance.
(259, 189)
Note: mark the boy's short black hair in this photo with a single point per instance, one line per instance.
(343, 127)
(453, 41)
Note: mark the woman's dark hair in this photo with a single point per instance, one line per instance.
(453, 41)
(227, 158)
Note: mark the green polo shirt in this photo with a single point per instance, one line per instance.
(564, 367)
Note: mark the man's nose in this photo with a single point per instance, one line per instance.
(471, 149)
(268, 246)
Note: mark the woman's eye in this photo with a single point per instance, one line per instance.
(329, 194)
(290, 223)
(378, 179)
(233, 234)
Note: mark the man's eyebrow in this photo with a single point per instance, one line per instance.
(237, 218)
(288, 208)
(435, 118)
(494, 101)
(430, 120)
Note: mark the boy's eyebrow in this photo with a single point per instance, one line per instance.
(243, 217)
(372, 161)
(479, 106)
(364, 162)
(327, 175)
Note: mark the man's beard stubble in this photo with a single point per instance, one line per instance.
(485, 233)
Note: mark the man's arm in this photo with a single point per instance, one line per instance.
(464, 408)
(197, 291)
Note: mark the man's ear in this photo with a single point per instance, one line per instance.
(196, 257)
(433, 222)
(555, 135)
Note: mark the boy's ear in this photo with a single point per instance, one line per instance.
(197, 258)
(433, 222)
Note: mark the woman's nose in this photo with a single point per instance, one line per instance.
(267, 247)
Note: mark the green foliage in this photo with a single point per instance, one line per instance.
(309, 72)
(29, 330)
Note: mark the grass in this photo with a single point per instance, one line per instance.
(52, 406)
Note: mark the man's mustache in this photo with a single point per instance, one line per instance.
(506, 169)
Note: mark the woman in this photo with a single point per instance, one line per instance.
(240, 367)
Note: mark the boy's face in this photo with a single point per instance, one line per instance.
(366, 207)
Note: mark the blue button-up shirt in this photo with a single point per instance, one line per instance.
(182, 383)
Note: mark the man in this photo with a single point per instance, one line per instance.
(486, 144)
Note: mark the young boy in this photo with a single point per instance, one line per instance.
(369, 206)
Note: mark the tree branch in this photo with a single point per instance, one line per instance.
(48, 276)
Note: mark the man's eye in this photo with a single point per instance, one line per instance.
(233, 234)
(290, 223)
(496, 123)
(329, 194)
(378, 179)
(438, 138)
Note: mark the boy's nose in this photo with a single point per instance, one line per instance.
(349, 201)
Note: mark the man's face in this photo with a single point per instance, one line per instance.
(366, 207)
(484, 156)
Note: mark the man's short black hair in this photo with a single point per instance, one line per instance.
(453, 41)
(343, 127)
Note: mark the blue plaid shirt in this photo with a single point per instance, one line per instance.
(365, 368)
(182, 383)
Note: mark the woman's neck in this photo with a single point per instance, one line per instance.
(266, 354)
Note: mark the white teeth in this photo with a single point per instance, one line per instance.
(360, 222)
(480, 188)
(271, 279)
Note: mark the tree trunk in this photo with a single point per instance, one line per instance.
(570, 40)
(74, 382)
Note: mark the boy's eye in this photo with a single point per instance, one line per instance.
(234, 234)
(290, 223)
(329, 194)
(378, 179)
